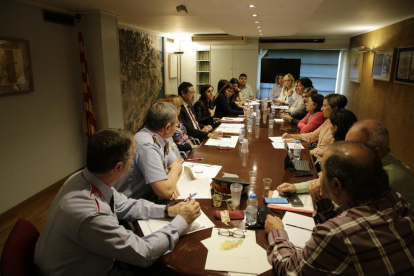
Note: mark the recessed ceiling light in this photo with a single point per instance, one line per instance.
(261, 34)
(254, 14)
(260, 31)
(252, 6)
(258, 27)
(257, 22)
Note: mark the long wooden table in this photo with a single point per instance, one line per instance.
(189, 256)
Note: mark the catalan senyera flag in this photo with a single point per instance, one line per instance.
(89, 122)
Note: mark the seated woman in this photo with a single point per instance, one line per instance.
(220, 85)
(314, 118)
(225, 103)
(298, 106)
(287, 90)
(322, 134)
(277, 88)
(180, 137)
(239, 97)
(204, 107)
(341, 122)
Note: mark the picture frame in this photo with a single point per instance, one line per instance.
(16, 73)
(172, 68)
(355, 68)
(383, 64)
(404, 68)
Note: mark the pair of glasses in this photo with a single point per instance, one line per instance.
(227, 233)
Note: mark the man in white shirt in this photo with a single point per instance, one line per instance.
(245, 89)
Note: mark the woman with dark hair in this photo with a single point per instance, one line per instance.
(239, 97)
(225, 103)
(220, 85)
(322, 134)
(314, 118)
(204, 107)
(296, 102)
(277, 88)
(341, 120)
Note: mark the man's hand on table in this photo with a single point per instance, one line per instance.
(215, 135)
(175, 194)
(286, 117)
(273, 223)
(190, 210)
(207, 128)
(286, 188)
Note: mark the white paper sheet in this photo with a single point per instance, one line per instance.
(153, 225)
(230, 128)
(231, 142)
(306, 200)
(278, 139)
(252, 103)
(282, 146)
(298, 236)
(231, 120)
(203, 170)
(279, 121)
(300, 221)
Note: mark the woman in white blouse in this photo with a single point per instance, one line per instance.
(277, 88)
(288, 89)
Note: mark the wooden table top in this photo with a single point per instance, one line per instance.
(189, 256)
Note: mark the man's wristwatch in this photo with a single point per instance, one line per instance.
(166, 208)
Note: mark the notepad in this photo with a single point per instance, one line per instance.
(299, 228)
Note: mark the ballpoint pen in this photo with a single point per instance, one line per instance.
(195, 159)
(190, 197)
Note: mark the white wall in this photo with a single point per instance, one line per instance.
(41, 132)
(170, 84)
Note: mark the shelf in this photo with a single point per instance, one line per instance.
(203, 71)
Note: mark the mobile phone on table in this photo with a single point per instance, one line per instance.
(276, 200)
(295, 200)
(262, 213)
(301, 174)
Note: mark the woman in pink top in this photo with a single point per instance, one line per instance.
(315, 117)
(322, 134)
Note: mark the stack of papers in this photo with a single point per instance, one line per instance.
(306, 200)
(230, 142)
(230, 128)
(231, 254)
(252, 103)
(231, 120)
(152, 225)
(299, 228)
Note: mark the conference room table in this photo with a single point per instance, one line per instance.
(189, 256)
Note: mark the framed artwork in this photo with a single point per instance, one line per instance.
(382, 65)
(404, 69)
(15, 67)
(355, 69)
(172, 62)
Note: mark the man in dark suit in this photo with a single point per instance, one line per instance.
(187, 114)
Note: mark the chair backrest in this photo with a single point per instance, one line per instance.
(18, 252)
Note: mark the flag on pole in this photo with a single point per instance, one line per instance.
(89, 122)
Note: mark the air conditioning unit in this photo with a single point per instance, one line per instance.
(219, 39)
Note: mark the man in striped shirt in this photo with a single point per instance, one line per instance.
(371, 232)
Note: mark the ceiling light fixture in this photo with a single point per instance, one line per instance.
(258, 27)
(257, 22)
(254, 14)
(261, 34)
(252, 6)
(260, 31)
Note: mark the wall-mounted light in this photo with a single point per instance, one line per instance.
(371, 50)
(254, 15)
(257, 22)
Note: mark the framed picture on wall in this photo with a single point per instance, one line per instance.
(172, 68)
(355, 69)
(404, 69)
(15, 67)
(383, 65)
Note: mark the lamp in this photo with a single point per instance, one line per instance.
(179, 54)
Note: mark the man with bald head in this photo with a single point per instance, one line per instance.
(369, 233)
(375, 135)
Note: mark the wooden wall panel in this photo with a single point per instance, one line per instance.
(388, 102)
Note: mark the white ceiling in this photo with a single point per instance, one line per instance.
(278, 18)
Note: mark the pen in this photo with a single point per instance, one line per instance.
(195, 159)
(189, 198)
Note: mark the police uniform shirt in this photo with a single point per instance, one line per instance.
(149, 164)
(82, 235)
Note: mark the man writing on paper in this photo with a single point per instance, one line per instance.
(82, 235)
(154, 168)
(369, 233)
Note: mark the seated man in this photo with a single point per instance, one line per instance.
(245, 89)
(375, 135)
(298, 116)
(187, 114)
(154, 168)
(82, 235)
(370, 233)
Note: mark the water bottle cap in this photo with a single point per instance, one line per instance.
(242, 127)
(252, 196)
(297, 142)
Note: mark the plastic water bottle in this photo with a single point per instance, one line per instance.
(250, 125)
(241, 135)
(296, 150)
(251, 210)
(258, 117)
